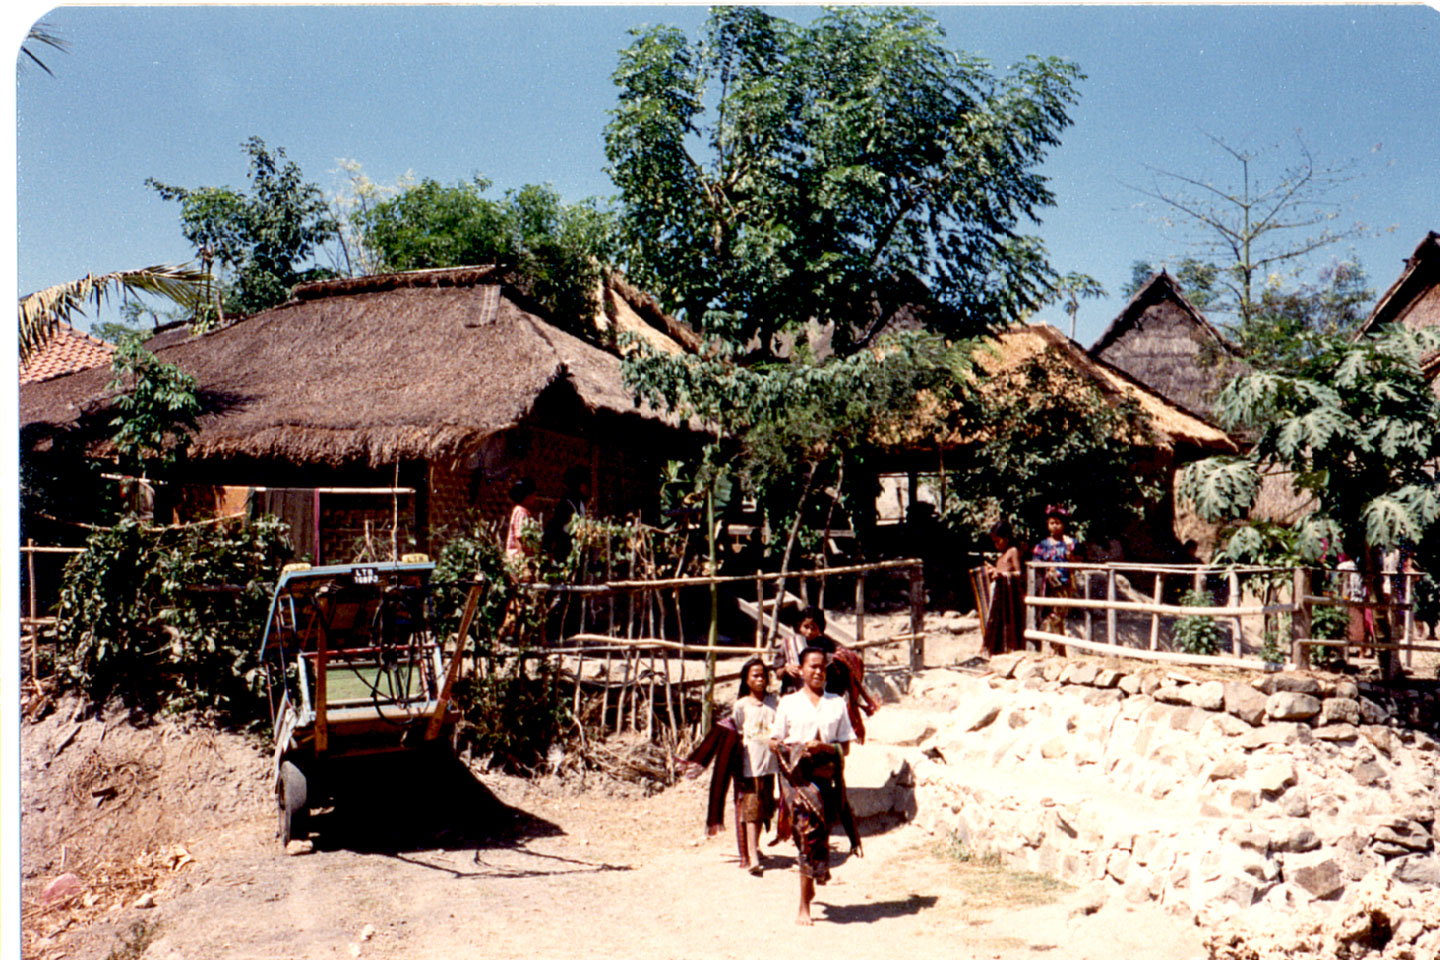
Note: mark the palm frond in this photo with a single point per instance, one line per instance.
(41, 312)
(40, 34)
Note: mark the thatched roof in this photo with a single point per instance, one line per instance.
(1006, 357)
(67, 351)
(1163, 341)
(1173, 424)
(420, 365)
(1414, 298)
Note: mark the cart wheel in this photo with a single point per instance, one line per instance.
(291, 794)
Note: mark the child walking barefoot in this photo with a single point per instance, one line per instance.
(755, 787)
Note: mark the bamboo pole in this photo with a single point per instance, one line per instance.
(917, 617)
(34, 629)
(1128, 606)
(1236, 632)
(1138, 653)
(860, 608)
(1155, 617)
(1089, 614)
(1110, 613)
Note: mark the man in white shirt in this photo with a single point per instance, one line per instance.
(811, 736)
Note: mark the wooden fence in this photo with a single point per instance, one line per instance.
(1287, 616)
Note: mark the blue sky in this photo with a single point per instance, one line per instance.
(520, 94)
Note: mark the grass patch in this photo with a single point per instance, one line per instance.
(987, 882)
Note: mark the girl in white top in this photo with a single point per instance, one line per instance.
(755, 787)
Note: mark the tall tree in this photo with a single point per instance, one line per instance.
(773, 174)
(1262, 221)
(260, 241)
(557, 249)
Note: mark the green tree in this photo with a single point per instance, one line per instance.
(1041, 434)
(773, 174)
(1197, 278)
(1278, 335)
(558, 250)
(260, 241)
(1355, 426)
(156, 406)
(1266, 221)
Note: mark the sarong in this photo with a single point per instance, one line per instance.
(810, 789)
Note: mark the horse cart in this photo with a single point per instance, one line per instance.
(352, 669)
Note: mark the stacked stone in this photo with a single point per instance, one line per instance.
(1210, 797)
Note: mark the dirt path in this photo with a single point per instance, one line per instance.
(589, 873)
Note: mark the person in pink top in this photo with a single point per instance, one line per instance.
(519, 539)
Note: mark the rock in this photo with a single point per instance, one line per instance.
(1229, 726)
(1336, 732)
(1372, 712)
(1004, 664)
(1170, 693)
(354, 949)
(1150, 682)
(1287, 705)
(1416, 870)
(1102, 697)
(64, 886)
(1347, 689)
(1227, 768)
(906, 728)
(1318, 873)
(1209, 695)
(1052, 748)
(875, 778)
(297, 847)
(1272, 778)
(1288, 682)
(1405, 833)
(145, 901)
(1294, 838)
(1090, 900)
(1368, 773)
(1117, 865)
(976, 715)
(1129, 684)
(366, 932)
(1340, 710)
(1275, 733)
(1379, 738)
(1245, 702)
(1107, 678)
(1295, 804)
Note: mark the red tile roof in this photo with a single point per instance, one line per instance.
(68, 351)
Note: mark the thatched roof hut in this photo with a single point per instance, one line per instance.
(450, 381)
(1414, 299)
(1164, 342)
(378, 369)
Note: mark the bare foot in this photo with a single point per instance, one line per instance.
(804, 920)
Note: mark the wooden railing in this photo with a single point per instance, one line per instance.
(1287, 617)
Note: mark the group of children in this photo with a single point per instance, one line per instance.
(799, 739)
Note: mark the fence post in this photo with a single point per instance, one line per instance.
(34, 627)
(860, 607)
(917, 617)
(1234, 601)
(1089, 614)
(1110, 597)
(1029, 610)
(1299, 617)
(1155, 617)
(759, 612)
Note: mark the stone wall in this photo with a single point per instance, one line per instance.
(1210, 797)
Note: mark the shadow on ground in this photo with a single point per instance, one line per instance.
(878, 910)
(417, 801)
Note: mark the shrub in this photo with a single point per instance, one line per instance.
(1197, 634)
(136, 622)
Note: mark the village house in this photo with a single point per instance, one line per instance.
(409, 401)
(1164, 342)
(1414, 300)
(1177, 436)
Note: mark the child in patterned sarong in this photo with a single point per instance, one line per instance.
(812, 735)
(754, 717)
